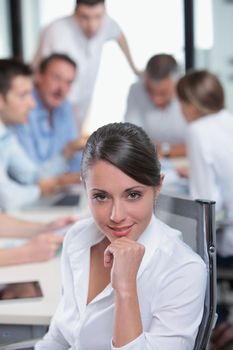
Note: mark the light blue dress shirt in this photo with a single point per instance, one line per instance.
(43, 142)
(18, 174)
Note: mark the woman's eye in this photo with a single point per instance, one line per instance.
(134, 195)
(99, 197)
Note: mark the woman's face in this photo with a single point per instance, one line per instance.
(121, 206)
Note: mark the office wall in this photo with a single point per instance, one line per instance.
(222, 52)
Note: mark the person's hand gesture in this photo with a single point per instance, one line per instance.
(124, 257)
(42, 247)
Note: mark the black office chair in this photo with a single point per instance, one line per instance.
(196, 221)
(225, 271)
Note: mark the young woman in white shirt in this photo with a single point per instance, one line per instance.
(129, 282)
(210, 147)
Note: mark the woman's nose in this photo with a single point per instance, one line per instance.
(118, 212)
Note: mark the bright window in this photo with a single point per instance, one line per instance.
(151, 26)
(5, 47)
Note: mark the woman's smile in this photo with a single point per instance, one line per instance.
(121, 231)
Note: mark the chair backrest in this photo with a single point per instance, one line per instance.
(196, 221)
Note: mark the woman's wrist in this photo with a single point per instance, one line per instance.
(126, 292)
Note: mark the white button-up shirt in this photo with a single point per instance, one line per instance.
(210, 151)
(171, 284)
(65, 36)
(162, 125)
(17, 173)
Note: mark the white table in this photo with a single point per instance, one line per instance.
(36, 312)
(22, 320)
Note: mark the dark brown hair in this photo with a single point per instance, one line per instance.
(9, 70)
(203, 90)
(127, 147)
(161, 66)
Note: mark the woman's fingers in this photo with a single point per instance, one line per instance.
(124, 257)
(108, 256)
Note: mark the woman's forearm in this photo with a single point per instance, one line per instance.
(127, 318)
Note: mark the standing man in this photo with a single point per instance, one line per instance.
(82, 36)
(50, 130)
(153, 105)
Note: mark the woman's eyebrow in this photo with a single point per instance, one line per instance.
(98, 189)
(126, 190)
(134, 188)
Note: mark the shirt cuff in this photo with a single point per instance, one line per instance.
(136, 344)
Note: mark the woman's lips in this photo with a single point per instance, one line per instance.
(121, 231)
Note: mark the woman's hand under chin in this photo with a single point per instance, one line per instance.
(124, 257)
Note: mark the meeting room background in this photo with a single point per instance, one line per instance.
(192, 31)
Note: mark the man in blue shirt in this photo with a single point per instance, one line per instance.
(51, 130)
(21, 180)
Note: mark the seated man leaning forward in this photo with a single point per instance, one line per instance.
(126, 274)
(152, 104)
(21, 180)
(51, 128)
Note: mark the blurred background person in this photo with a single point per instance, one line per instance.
(21, 181)
(153, 105)
(210, 148)
(50, 130)
(83, 36)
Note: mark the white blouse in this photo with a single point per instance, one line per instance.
(171, 284)
(210, 151)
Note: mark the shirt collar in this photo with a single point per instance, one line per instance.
(82, 35)
(38, 99)
(150, 238)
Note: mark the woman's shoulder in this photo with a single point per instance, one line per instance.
(173, 246)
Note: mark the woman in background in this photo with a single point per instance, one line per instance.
(127, 276)
(210, 146)
(210, 152)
